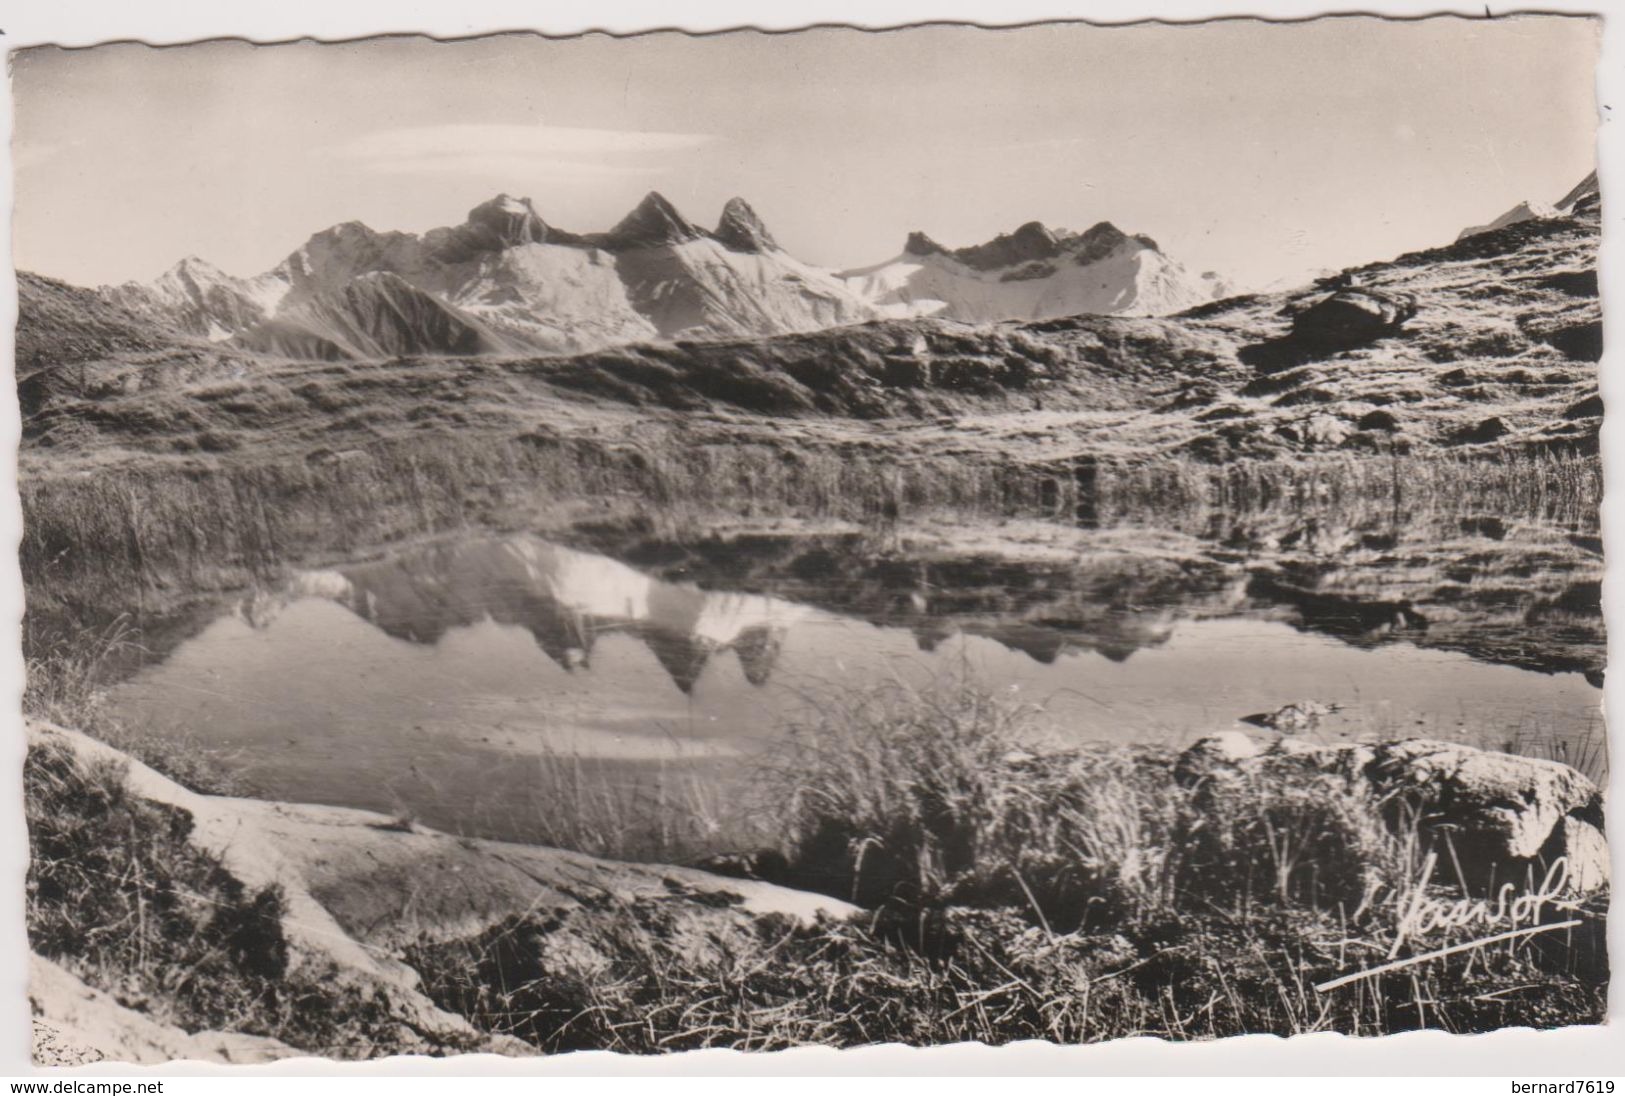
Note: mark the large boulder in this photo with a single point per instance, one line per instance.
(1499, 812)
(1216, 753)
(1353, 316)
(1514, 801)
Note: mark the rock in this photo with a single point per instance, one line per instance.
(1503, 814)
(1482, 433)
(1353, 316)
(918, 243)
(1584, 850)
(1491, 528)
(76, 1024)
(507, 222)
(1325, 431)
(1032, 242)
(742, 230)
(1305, 715)
(1514, 802)
(1586, 196)
(1218, 751)
(1523, 211)
(1590, 407)
(653, 222)
(1379, 420)
(768, 865)
(358, 889)
(1580, 342)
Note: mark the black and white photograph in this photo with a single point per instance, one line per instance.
(817, 538)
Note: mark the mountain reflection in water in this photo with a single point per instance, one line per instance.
(429, 675)
(567, 600)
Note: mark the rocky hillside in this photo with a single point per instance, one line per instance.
(1034, 273)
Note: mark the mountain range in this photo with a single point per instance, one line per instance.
(506, 282)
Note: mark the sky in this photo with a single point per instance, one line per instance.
(1258, 150)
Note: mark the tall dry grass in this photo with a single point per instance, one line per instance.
(944, 795)
(87, 539)
(153, 531)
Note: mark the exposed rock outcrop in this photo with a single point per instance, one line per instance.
(358, 888)
(1351, 317)
(1586, 197)
(652, 222)
(1498, 811)
(76, 1024)
(740, 229)
(500, 223)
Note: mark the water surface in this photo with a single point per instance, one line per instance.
(433, 679)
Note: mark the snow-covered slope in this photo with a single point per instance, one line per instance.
(374, 315)
(198, 298)
(506, 282)
(1033, 273)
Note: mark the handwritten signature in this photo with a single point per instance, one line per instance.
(1419, 914)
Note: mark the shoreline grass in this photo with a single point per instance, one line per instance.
(1010, 894)
(126, 540)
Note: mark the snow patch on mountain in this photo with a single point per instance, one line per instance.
(1033, 273)
(1586, 195)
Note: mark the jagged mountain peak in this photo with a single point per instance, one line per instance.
(505, 281)
(1100, 238)
(918, 243)
(1585, 196)
(653, 221)
(191, 271)
(1583, 199)
(741, 229)
(191, 263)
(507, 221)
(1032, 242)
(346, 230)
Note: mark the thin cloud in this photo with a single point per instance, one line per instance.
(538, 150)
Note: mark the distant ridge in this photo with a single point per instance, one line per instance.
(506, 281)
